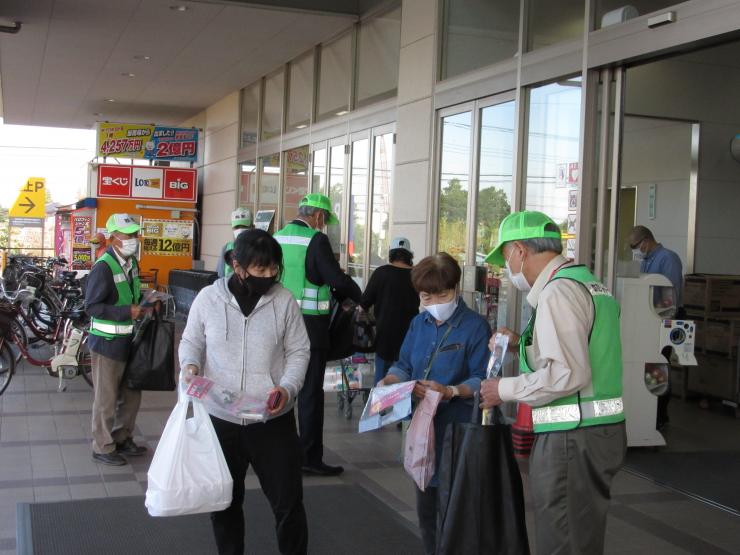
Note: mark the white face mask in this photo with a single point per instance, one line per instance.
(128, 247)
(442, 311)
(237, 232)
(518, 280)
(637, 254)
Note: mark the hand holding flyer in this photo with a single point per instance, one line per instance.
(238, 404)
(386, 404)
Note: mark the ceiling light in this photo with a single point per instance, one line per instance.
(110, 99)
(179, 8)
(125, 74)
(302, 126)
(142, 58)
(343, 112)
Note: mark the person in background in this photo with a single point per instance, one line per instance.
(112, 301)
(395, 303)
(312, 273)
(241, 219)
(246, 333)
(99, 244)
(570, 362)
(656, 259)
(445, 350)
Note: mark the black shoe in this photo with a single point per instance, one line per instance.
(322, 469)
(111, 459)
(129, 448)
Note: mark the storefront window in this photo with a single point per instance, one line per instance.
(613, 12)
(553, 152)
(495, 175)
(296, 181)
(300, 96)
(336, 195)
(379, 45)
(477, 34)
(335, 77)
(382, 187)
(358, 210)
(247, 184)
(250, 111)
(454, 185)
(553, 22)
(318, 172)
(269, 182)
(272, 112)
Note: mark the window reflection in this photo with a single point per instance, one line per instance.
(247, 184)
(296, 181)
(382, 186)
(336, 195)
(551, 22)
(358, 210)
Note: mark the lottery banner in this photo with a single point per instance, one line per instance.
(146, 141)
(167, 237)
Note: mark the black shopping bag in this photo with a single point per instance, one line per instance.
(481, 500)
(151, 362)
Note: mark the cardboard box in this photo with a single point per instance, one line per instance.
(715, 376)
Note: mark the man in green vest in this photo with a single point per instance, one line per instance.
(570, 363)
(241, 219)
(112, 301)
(312, 274)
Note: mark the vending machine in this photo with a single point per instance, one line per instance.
(651, 338)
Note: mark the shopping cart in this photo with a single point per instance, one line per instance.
(349, 389)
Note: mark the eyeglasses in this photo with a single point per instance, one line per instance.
(636, 245)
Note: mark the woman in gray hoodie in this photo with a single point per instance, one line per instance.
(246, 333)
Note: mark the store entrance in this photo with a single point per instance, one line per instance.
(678, 177)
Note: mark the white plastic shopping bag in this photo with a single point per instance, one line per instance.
(188, 473)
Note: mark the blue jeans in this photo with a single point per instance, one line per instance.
(381, 367)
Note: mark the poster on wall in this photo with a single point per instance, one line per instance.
(567, 175)
(167, 237)
(143, 182)
(146, 141)
(81, 258)
(81, 229)
(573, 200)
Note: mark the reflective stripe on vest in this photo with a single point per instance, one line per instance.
(112, 329)
(293, 240)
(560, 414)
(320, 306)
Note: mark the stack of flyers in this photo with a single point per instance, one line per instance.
(386, 404)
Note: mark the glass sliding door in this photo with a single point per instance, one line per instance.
(336, 192)
(318, 171)
(381, 209)
(359, 181)
(296, 181)
(454, 184)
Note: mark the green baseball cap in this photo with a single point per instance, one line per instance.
(519, 226)
(318, 200)
(241, 216)
(123, 223)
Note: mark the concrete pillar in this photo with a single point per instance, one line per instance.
(413, 188)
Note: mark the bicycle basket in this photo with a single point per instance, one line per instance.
(7, 315)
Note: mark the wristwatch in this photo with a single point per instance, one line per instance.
(455, 392)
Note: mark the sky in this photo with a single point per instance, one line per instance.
(59, 155)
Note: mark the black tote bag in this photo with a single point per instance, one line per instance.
(481, 499)
(151, 362)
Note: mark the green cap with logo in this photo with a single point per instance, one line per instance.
(520, 226)
(123, 223)
(317, 200)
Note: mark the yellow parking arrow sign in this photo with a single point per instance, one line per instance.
(31, 201)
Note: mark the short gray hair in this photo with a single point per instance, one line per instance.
(544, 244)
(309, 211)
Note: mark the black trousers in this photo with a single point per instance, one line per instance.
(426, 510)
(311, 409)
(273, 451)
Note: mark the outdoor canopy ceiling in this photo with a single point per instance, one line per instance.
(156, 61)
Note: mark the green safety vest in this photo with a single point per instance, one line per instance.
(313, 299)
(127, 295)
(604, 405)
(228, 268)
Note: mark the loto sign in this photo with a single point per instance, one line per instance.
(143, 182)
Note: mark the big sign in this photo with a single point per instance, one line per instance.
(145, 182)
(150, 142)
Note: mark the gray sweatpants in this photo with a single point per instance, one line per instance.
(115, 406)
(570, 476)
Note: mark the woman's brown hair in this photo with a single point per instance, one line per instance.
(435, 274)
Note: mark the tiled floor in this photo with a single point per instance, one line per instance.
(45, 456)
